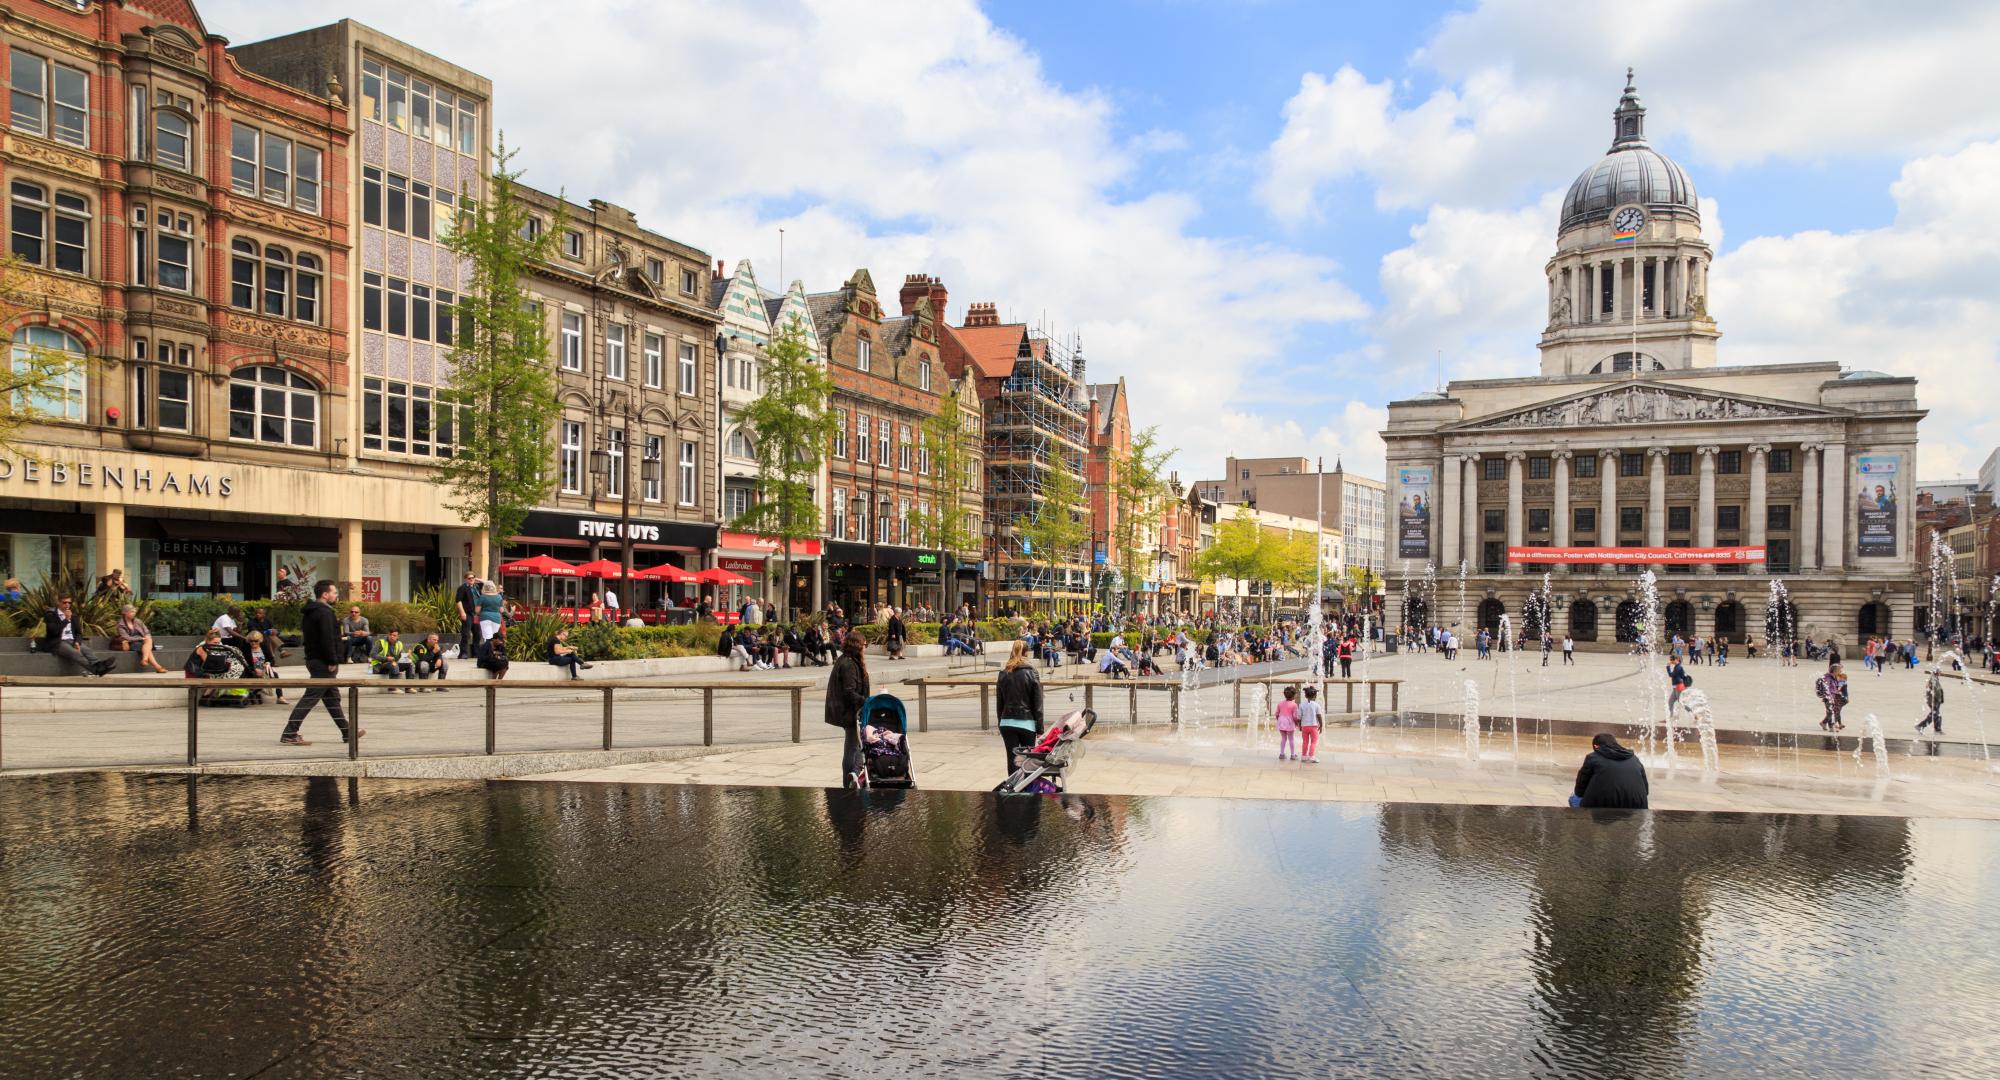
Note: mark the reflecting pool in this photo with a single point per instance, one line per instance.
(225, 926)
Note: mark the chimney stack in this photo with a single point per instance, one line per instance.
(719, 275)
(982, 314)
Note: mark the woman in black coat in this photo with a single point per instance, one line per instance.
(1020, 701)
(846, 692)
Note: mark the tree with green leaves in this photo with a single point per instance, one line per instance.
(1361, 583)
(1057, 527)
(951, 448)
(1238, 552)
(1138, 488)
(38, 382)
(1295, 562)
(503, 382)
(790, 426)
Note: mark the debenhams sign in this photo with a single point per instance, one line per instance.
(134, 478)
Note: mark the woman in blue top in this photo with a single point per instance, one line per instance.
(490, 604)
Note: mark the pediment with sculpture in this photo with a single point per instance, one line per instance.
(1646, 403)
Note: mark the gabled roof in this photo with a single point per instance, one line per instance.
(828, 310)
(773, 305)
(1105, 396)
(894, 335)
(993, 349)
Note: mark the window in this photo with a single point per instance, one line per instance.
(840, 433)
(572, 341)
(840, 512)
(445, 210)
(1538, 521)
(1493, 468)
(1729, 518)
(1493, 557)
(656, 347)
(1778, 556)
(420, 210)
(1631, 519)
(572, 456)
(861, 440)
(371, 90)
(1679, 518)
(690, 282)
(863, 360)
(687, 383)
(1781, 461)
(420, 312)
(650, 471)
(1495, 521)
(397, 219)
(1729, 462)
(371, 195)
(168, 237)
(405, 418)
(1631, 464)
(468, 127)
(924, 375)
(882, 439)
(36, 83)
(272, 405)
(399, 100)
(614, 352)
(1778, 516)
(277, 281)
(572, 243)
(614, 463)
(903, 447)
(739, 445)
(1585, 519)
(161, 396)
(1538, 468)
(41, 233)
(172, 133)
(1585, 466)
(399, 307)
(689, 454)
(420, 108)
(531, 229)
(656, 271)
(1680, 463)
(882, 533)
(447, 316)
(64, 399)
(903, 518)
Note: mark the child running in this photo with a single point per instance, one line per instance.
(1309, 725)
(1288, 722)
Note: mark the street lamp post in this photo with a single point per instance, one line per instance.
(600, 465)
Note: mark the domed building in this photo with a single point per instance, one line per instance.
(1632, 436)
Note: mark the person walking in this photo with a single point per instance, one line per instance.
(1933, 703)
(1569, 651)
(1832, 690)
(1548, 646)
(1346, 655)
(892, 642)
(1612, 778)
(846, 692)
(1309, 718)
(1679, 680)
(324, 649)
(1019, 694)
(1286, 717)
(467, 601)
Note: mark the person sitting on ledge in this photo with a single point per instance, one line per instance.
(427, 656)
(393, 659)
(1612, 778)
(493, 654)
(563, 655)
(60, 636)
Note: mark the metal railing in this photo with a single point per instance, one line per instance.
(608, 688)
(1132, 688)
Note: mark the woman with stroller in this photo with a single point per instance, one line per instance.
(846, 692)
(1020, 704)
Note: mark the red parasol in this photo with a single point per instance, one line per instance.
(716, 575)
(545, 565)
(665, 572)
(602, 568)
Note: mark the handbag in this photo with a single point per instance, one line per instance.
(121, 644)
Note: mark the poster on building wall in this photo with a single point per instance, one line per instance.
(1413, 514)
(1876, 508)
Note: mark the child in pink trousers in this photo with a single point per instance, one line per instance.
(1309, 725)
(1288, 722)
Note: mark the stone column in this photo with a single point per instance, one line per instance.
(350, 560)
(481, 559)
(1704, 510)
(111, 543)
(1469, 515)
(1681, 266)
(1656, 496)
(1515, 467)
(1808, 524)
(1833, 507)
(1607, 498)
(1446, 510)
(1559, 515)
(1759, 500)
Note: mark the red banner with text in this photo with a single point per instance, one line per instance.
(1635, 555)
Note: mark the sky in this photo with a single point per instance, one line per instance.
(1273, 217)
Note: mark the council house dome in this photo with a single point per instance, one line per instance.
(1632, 172)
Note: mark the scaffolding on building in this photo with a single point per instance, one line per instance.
(1036, 424)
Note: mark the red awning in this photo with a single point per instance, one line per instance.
(600, 569)
(544, 565)
(666, 572)
(718, 576)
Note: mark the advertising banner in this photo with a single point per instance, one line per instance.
(1635, 555)
(1875, 510)
(1413, 514)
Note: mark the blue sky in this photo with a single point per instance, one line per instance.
(1273, 216)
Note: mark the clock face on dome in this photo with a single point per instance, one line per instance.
(1628, 220)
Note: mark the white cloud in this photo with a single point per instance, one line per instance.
(1469, 286)
(1914, 297)
(904, 136)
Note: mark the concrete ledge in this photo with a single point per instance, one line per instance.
(459, 767)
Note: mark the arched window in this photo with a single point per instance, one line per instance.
(1583, 620)
(50, 364)
(277, 281)
(1628, 627)
(172, 133)
(1623, 362)
(305, 289)
(1680, 617)
(1490, 611)
(1729, 621)
(41, 233)
(272, 405)
(739, 445)
(1874, 620)
(244, 257)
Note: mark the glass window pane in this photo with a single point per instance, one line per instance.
(243, 159)
(302, 433)
(29, 73)
(271, 429)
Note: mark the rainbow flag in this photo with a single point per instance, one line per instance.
(1624, 237)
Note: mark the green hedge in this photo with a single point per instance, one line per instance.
(192, 618)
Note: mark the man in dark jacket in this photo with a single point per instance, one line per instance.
(1612, 777)
(61, 637)
(467, 600)
(846, 692)
(325, 647)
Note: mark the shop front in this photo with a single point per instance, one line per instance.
(181, 528)
(764, 561)
(902, 575)
(582, 538)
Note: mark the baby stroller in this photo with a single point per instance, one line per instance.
(885, 744)
(1040, 771)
